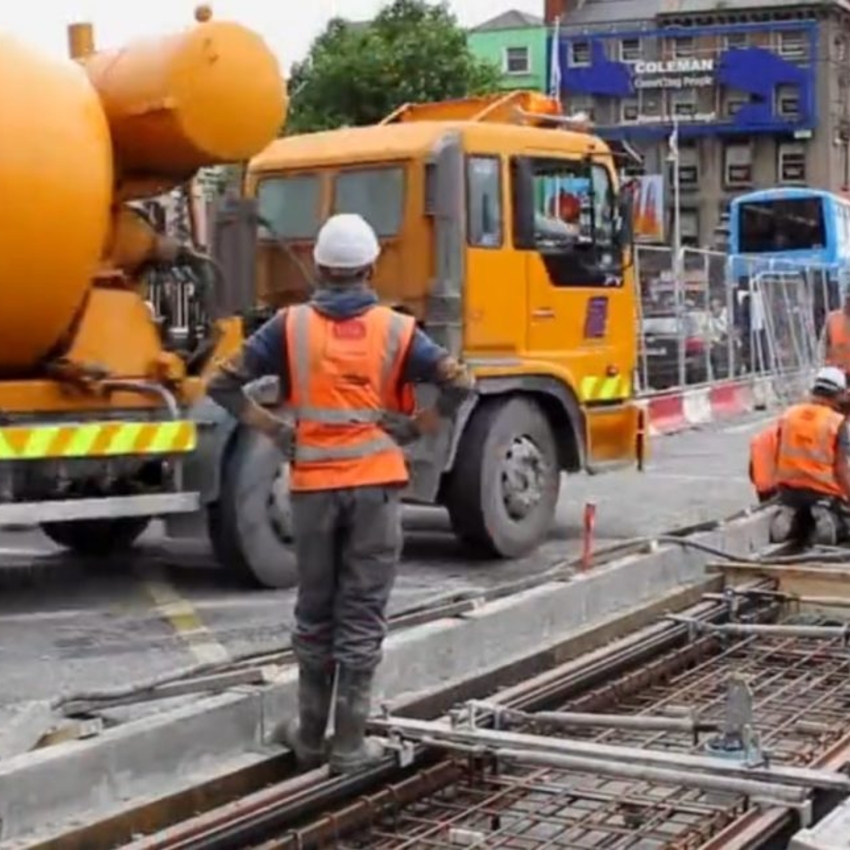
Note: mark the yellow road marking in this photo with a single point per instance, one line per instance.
(184, 619)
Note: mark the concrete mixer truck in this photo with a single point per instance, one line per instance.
(103, 419)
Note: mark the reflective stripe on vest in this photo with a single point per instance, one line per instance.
(838, 340)
(806, 456)
(399, 331)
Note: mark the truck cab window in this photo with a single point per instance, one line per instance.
(567, 211)
(375, 193)
(290, 206)
(484, 201)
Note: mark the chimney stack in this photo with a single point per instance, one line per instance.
(552, 10)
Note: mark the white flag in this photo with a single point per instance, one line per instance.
(555, 61)
(674, 141)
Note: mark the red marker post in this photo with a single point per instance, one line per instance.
(587, 536)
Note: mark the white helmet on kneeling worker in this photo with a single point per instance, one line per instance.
(830, 381)
(346, 249)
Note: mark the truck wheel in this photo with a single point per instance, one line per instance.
(250, 525)
(97, 537)
(503, 490)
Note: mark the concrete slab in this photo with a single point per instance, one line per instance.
(832, 833)
(23, 725)
(60, 784)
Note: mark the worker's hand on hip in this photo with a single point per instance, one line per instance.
(282, 435)
(401, 428)
(427, 420)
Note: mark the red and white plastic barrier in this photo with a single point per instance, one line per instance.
(682, 409)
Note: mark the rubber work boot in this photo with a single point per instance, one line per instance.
(781, 524)
(351, 750)
(305, 735)
(826, 526)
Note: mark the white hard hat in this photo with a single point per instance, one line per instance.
(346, 241)
(830, 380)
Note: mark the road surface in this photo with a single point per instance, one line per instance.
(66, 626)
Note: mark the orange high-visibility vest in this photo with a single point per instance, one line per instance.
(763, 451)
(838, 340)
(344, 375)
(808, 435)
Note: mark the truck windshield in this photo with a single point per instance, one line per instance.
(375, 193)
(792, 224)
(291, 206)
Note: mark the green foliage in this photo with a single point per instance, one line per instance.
(355, 74)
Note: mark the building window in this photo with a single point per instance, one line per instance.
(630, 50)
(733, 104)
(840, 49)
(736, 40)
(516, 60)
(684, 46)
(792, 44)
(738, 165)
(579, 54)
(683, 103)
(788, 102)
(629, 110)
(580, 104)
(689, 227)
(791, 162)
(688, 166)
(650, 106)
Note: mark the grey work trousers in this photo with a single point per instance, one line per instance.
(348, 544)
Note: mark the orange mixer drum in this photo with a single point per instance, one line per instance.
(55, 190)
(212, 94)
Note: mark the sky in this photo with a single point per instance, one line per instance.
(41, 23)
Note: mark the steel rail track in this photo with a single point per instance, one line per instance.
(286, 809)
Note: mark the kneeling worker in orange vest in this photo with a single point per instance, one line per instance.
(346, 366)
(812, 471)
(763, 450)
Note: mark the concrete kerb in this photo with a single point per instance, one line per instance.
(77, 779)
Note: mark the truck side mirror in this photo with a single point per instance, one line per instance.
(522, 195)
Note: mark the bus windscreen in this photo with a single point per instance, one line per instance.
(792, 224)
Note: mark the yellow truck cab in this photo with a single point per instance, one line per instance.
(504, 233)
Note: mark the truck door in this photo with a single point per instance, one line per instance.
(581, 317)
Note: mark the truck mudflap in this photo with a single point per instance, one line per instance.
(97, 439)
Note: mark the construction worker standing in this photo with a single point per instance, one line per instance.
(836, 337)
(812, 471)
(346, 365)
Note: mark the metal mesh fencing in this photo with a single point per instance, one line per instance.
(783, 307)
(704, 319)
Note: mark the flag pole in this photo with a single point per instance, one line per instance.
(678, 259)
(677, 207)
(555, 62)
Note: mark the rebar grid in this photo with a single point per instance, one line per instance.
(800, 693)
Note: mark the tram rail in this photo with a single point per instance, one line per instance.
(723, 726)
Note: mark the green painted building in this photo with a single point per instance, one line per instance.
(516, 43)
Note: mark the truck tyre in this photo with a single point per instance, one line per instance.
(250, 525)
(97, 537)
(503, 489)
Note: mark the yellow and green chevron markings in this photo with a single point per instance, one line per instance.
(97, 439)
